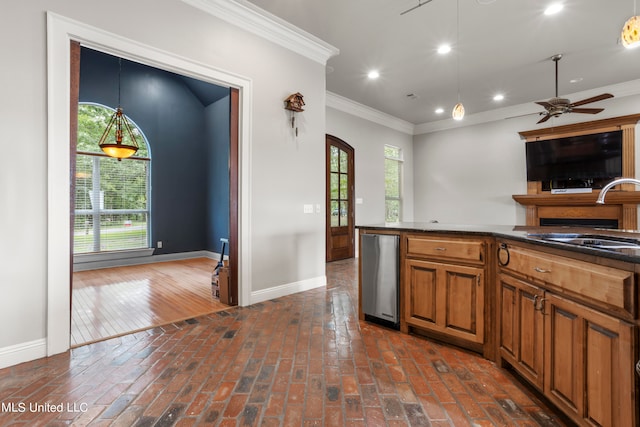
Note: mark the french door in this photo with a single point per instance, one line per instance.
(339, 204)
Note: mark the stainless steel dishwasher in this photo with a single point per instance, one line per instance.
(380, 279)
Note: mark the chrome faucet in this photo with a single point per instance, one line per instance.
(613, 183)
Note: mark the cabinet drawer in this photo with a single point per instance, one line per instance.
(453, 249)
(600, 284)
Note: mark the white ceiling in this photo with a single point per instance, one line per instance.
(504, 47)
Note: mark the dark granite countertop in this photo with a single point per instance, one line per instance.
(525, 234)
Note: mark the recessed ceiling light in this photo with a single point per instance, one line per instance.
(439, 110)
(498, 97)
(553, 8)
(373, 74)
(576, 80)
(445, 48)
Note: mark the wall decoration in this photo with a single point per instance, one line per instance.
(294, 103)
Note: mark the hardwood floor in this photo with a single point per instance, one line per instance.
(110, 302)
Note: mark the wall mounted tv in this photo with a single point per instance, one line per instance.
(586, 160)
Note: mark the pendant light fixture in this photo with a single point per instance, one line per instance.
(118, 149)
(630, 35)
(458, 109)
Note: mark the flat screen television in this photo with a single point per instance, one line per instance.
(585, 158)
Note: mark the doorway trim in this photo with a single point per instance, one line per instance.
(60, 32)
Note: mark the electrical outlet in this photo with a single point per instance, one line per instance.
(159, 245)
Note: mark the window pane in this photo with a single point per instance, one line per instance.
(391, 152)
(84, 182)
(83, 234)
(334, 153)
(344, 218)
(123, 231)
(335, 218)
(344, 185)
(392, 208)
(335, 186)
(124, 183)
(392, 178)
(344, 157)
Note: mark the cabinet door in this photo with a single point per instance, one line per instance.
(445, 298)
(522, 328)
(461, 306)
(420, 299)
(589, 366)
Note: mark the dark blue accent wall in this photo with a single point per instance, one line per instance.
(188, 142)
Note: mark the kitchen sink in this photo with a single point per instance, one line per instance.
(589, 240)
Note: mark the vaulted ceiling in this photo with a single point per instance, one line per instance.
(499, 46)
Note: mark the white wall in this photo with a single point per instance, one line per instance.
(286, 246)
(468, 175)
(368, 140)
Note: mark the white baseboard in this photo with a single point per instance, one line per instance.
(94, 265)
(24, 352)
(287, 289)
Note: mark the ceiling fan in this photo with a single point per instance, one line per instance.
(558, 106)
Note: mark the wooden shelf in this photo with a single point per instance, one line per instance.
(613, 197)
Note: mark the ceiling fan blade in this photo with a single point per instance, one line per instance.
(587, 110)
(592, 99)
(544, 119)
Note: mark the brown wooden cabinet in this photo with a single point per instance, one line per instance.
(555, 330)
(444, 287)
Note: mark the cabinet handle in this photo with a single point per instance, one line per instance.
(541, 306)
(440, 248)
(538, 303)
(503, 261)
(541, 270)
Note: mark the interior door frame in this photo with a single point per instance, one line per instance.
(61, 31)
(234, 104)
(335, 141)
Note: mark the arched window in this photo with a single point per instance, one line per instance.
(112, 198)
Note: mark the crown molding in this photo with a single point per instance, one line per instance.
(258, 21)
(348, 106)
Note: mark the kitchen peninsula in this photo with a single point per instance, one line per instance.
(558, 305)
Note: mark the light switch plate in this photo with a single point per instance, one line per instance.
(308, 209)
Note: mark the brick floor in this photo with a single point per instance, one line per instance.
(301, 360)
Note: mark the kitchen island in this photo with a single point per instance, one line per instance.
(557, 305)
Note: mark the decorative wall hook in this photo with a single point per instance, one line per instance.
(294, 103)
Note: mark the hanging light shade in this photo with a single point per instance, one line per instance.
(630, 35)
(458, 111)
(117, 148)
